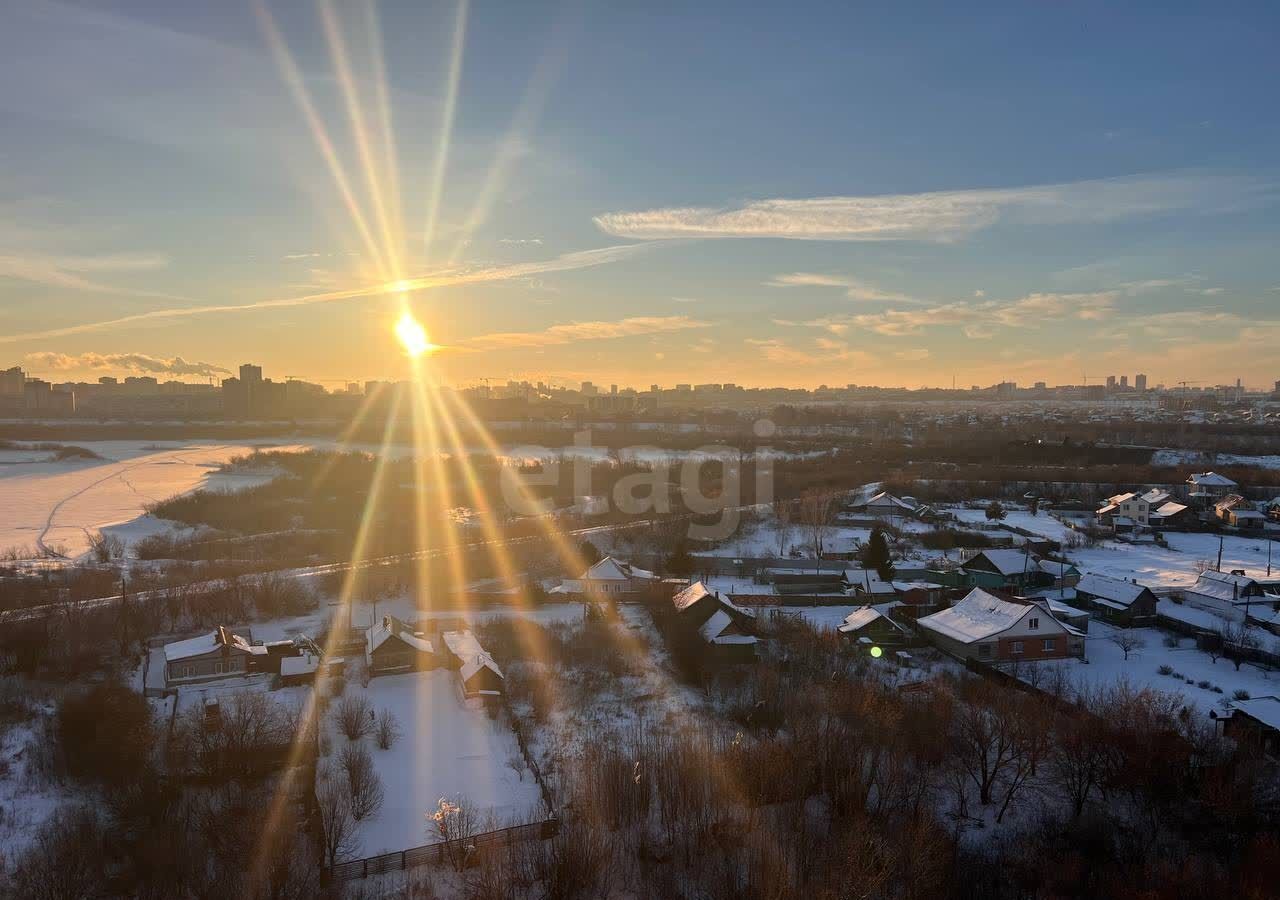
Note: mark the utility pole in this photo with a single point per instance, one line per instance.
(1268, 556)
(1219, 553)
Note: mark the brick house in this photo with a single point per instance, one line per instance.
(988, 628)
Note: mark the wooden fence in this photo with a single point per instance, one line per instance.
(435, 854)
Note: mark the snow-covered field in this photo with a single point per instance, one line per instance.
(1175, 566)
(1196, 458)
(1042, 523)
(1106, 665)
(58, 504)
(448, 748)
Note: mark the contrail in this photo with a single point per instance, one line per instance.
(580, 259)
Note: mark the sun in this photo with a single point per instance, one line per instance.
(413, 337)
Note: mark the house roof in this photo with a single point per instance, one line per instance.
(868, 580)
(1264, 709)
(1114, 590)
(209, 643)
(884, 498)
(689, 596)
(1155, 495)
(1006, 562)
(1221, 585)
(299, 665)
(1172, 508)
(980, 615)
(713, 630)
(863, 616)
(610, 569)
(391, 627)
(1055, 568)
(462, 644)
(1210, 479)
(477, 662)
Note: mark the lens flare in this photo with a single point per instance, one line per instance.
(413, 336)
(877, 652)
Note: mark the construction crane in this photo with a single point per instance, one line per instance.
(1183, 385)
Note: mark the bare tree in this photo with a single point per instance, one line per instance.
(1127, 641)
(815, 509)
(783, 513)
(337, 824)
(456, 822)
(355, 716)
(1237, 640)
(388, 729)
(363, 784)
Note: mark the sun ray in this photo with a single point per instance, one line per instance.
(368, 162)
(373, 29)
(446, 126)
(297, 86)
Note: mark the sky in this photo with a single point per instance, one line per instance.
(642, 193)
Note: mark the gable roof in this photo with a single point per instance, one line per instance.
(1155, 495)
(1222, 585)
(1172, 508)
(863, 616)
(477, 662)
(689, 596)
(1113, 590)
(980, 615)
(391, 627)
(884, 498)
(1006, 562)
(610, 569)
(215, 640)
(1265, 710)
(1210, 479)
(722, 629)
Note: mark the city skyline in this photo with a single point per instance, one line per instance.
(300, 179)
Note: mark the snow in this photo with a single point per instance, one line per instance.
(1114, 590)
(979, 615)
(1043, 523)
(1105, 665)
(448, 748)
(859, 618)
(1194, 457)
(689, 596)
(299, 665)
(58, 504)
(1174, 566)
(1265, 709)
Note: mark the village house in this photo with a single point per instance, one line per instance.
(805, 579)
(1238, 512)
(611, 578)
(392, 646)
(478, 674)
(986, 628)
(1206, 488)
(727, 628)
(886, 506)
(1116, 601)
(1010, 570)
(218, 654)
(1064, 612)
(1172, 516)
(1231, 595)
(1254, 722)
(872, 624)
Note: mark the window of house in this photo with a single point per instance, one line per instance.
(1050, 645)
(1017, 646)
(186, 671)
(984, 650)
(219, 667)
(1033, 623)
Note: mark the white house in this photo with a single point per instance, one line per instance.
(985, 627)
(1232, 595)
(1205, 488)
(611, 578)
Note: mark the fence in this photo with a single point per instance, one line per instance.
(442, 852)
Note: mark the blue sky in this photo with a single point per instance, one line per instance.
(803, 195)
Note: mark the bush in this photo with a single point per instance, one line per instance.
(105, 733)
(1239, 694)
(364, 786)
(1216, 689)
(355, 717)
(388, 730)
(1172, 641)
(1165, 670)
(1203, 684)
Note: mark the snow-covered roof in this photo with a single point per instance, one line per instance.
(858, 619)
(1210, 479)
(1172, 508)
(610, 569)
(1222, 585)
(869, 581)
(1114, 590)
(462, 644)
(477, 662)
(391, 627)
(299, 665)
(1054, 567)
(1265, 709)
(1007, 562)
(208, 643)
(1155, 495)
(1246, 514)
(884, 498)
(978, 616)
(713, 630)
(689, 596)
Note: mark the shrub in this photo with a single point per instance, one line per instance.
(388, 730)
(364, 786)
(1239, 694)
(1165, 670)
(1203, 684)
(105, 733)
(355, 717)
(1172, 641)
(1216, 689)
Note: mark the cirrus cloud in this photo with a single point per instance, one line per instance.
(130, 362)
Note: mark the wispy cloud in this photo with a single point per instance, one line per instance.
(945, 215)
(445, 278)
(129, 362)
(575, 332)
(822, 351)
(70, 271)
(854, 289)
